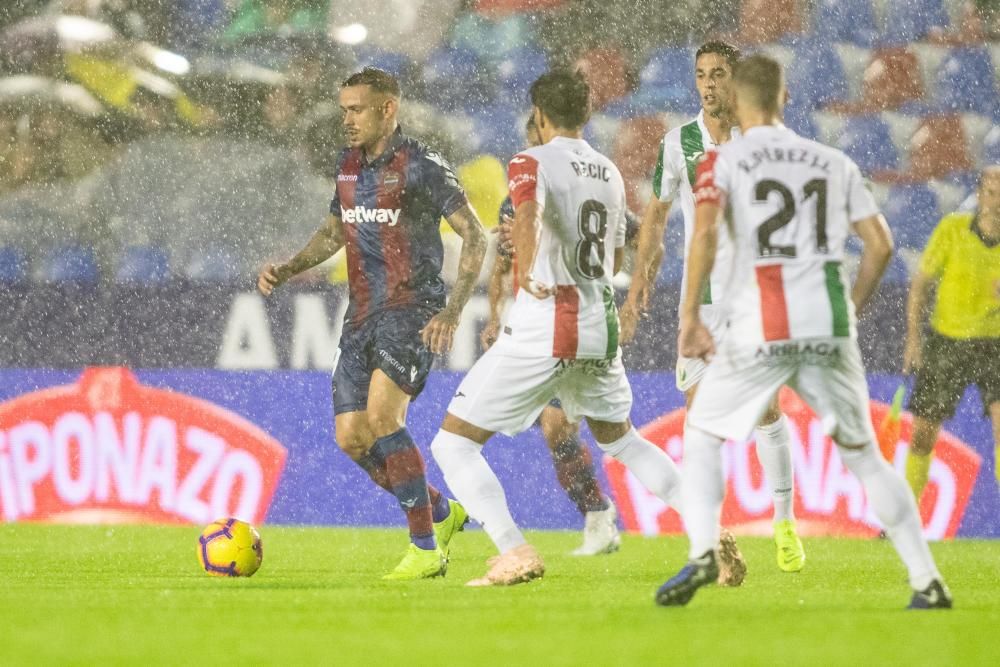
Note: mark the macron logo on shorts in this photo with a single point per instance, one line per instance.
(382, 216)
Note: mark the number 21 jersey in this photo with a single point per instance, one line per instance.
(582, 198)
(789, 204)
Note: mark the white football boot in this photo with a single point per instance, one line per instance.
(600, 533)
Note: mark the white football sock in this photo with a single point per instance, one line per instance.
(893, 504)
(775, 455)
(703, 489)
(650, 465)
(476, 486)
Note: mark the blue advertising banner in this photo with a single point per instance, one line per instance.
(180, 445)
(232, 327)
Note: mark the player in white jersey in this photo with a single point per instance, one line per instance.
(561, 338)
(787, 206)
(680, 152)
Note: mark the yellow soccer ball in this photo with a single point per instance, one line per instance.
(230, 548)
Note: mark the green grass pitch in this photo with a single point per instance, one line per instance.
(135, 595)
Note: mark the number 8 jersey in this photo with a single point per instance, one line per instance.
(789, 206)
(582, 200)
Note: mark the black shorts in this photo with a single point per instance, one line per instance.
(949, 366)
(389, 341)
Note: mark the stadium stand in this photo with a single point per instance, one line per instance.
(71, 263)
(939, 148)
(13, 266)
(143, 265)
(908, 88)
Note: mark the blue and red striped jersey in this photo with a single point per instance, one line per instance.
(391, 208)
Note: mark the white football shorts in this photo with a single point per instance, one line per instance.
(506, 393)
(690, 370)
(826, 372)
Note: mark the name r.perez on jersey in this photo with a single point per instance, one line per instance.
(358, 214)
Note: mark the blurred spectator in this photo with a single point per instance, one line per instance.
(45, 145)
(281, 17)
(501, 7)
(11, 12)
(485, 181)
(608, 75)
(417, 27)
(492, 37)
(142, 101)
(989, 11)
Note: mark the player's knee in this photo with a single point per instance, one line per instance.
(771, 414)
(384, 423)
(860, 459)
(354, 444)
(924, 434)
(608, 433)
(555, 428)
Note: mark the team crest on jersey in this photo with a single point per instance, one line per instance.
(391, 181)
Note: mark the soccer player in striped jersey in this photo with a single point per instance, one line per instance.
(786, 206)
(673, 179)
(561, 337)
(391, 192)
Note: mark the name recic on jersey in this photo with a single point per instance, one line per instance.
(590, 170)
(789, 155)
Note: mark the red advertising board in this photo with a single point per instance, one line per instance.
(108, 449)
(829, 500)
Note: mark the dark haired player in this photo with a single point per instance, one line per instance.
(792, 320)
(391, 192)
(561, 337)
(680, 151)
(570, 456)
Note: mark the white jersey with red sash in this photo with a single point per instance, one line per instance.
(789, 204)
(582, 198)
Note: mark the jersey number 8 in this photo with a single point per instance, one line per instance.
(593, 224)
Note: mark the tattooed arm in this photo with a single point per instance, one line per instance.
(438, 333)
(323, 245)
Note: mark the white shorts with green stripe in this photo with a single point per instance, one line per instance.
(826, 372)
(506, 393)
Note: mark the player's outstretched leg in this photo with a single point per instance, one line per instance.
(575, 472)
(658, 473)
(775, 455)
(680, 588)
(469, 476)
(703, 487)
(894, 506)
(407, 477)
(448, 515)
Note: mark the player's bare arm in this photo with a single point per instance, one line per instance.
(917, 308)
(323, 245)
(876, 254)
(527, 227)
(505, 234)
(496, 292)
(694, 338)
(649, 254)
(440, 330)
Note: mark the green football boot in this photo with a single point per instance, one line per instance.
(453, 523)
(791, 556)
(419, 564)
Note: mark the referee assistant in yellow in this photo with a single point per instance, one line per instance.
(962, 344)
